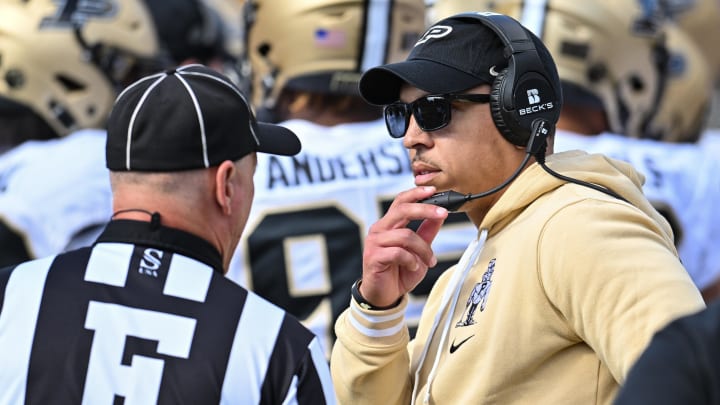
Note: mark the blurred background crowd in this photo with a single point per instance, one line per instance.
(640, 83)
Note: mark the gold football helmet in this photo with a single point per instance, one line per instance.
(66, 60)
(609, 53)
(324, 45)
(701, 20)
(683, 110)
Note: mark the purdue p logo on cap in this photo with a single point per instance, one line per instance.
(437, 31)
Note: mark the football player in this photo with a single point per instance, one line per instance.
(61, 70)
(62, 64)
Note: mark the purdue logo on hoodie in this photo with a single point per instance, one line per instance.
(478, 297)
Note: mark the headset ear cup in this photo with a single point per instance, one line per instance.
(496, 105)
(508, 128)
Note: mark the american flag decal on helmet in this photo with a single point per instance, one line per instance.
(332, 38)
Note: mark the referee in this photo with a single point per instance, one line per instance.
(145, 315)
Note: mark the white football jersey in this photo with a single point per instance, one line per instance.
(56, 192)
(682, 181)
(302, 246)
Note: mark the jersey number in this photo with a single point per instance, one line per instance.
(306, 260)
(138, 382)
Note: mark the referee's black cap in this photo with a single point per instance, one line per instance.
(190, 117)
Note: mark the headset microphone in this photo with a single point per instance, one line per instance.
(452, 200)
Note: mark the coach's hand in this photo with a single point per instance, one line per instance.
(396, 259)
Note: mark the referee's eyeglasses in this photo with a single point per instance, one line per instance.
(431, 112)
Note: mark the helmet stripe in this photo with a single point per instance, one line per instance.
(377, 27)
(533, 16)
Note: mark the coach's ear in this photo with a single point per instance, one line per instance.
(224, 186)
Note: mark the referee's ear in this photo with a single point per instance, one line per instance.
(224, 186)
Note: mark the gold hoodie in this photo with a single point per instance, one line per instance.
(551, 304)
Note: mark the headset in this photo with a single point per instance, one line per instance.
(525, 104)
(525, 90)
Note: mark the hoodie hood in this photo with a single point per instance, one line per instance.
(598, 169)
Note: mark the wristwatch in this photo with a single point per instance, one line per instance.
(364, 304)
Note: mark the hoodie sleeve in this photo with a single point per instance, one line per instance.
(370, 363)
(607, 268)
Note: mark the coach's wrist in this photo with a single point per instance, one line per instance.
(364, 303)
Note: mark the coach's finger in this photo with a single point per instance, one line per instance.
(429, 228)
(405, 239)
(405, 208)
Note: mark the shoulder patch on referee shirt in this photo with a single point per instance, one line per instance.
(150, 262)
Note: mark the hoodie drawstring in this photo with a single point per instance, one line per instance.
(467, 261)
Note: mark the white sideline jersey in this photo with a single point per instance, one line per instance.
(682, 182)
(56, 193)
(302, 246)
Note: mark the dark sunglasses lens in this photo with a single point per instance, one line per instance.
(432, 113)
(396, 119)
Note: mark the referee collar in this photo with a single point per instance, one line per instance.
(162, 237)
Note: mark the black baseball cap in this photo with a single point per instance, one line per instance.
(187, 118)
(454, 55)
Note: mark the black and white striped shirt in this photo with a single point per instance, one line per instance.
(146, 316)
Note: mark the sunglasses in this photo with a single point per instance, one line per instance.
(431, 112)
